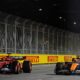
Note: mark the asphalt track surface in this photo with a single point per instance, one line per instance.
(39, 72)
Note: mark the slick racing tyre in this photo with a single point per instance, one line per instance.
(58, 67)
(16, 67)
(27, 67)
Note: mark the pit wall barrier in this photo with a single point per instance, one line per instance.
(43, 58)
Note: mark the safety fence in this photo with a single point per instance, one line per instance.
(18, 35)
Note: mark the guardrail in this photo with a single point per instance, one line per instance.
(43, 58)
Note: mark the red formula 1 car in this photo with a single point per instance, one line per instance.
(12, 65)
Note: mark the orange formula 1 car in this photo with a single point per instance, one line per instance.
(68, 67)
(12, 65)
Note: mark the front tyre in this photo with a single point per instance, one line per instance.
(16, 67)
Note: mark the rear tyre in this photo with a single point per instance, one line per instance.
(27, 67)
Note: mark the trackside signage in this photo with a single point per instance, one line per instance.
(33, 59)
(67, 58)
(42, 58)
(52, 59)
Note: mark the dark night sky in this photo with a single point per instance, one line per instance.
(63, 14)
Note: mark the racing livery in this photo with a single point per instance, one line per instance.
(12, 65)
(68, 67)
